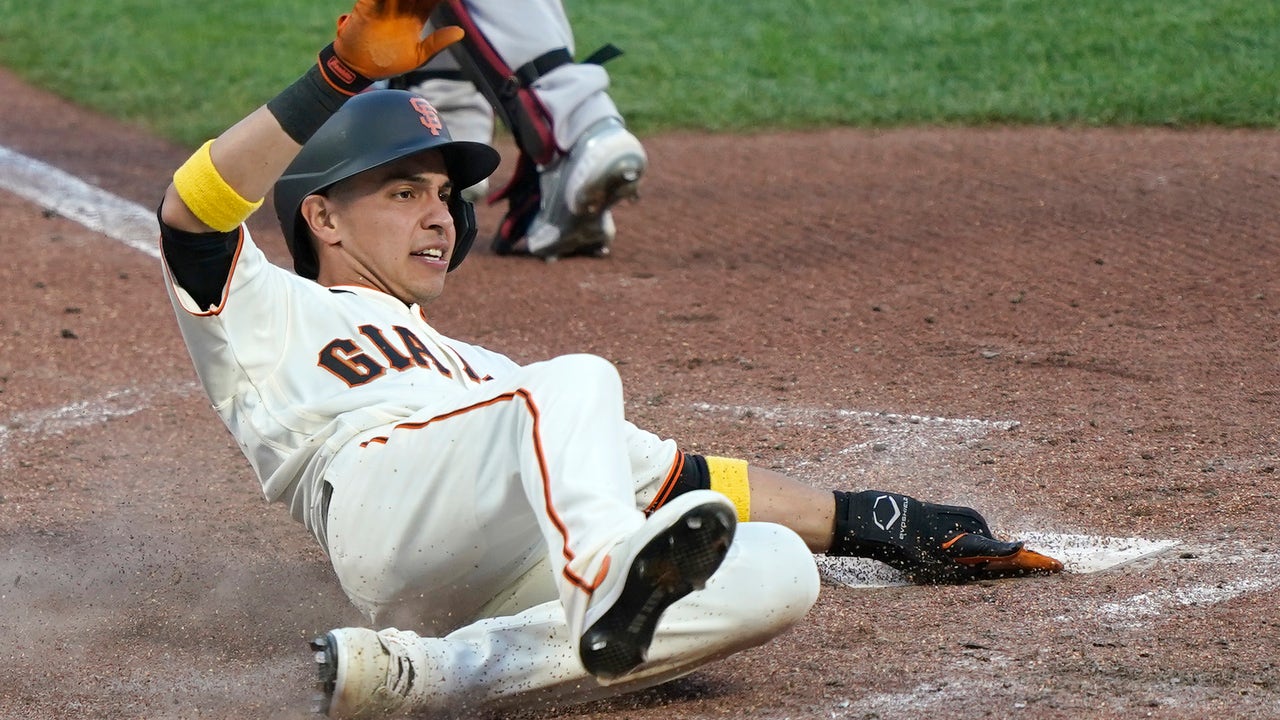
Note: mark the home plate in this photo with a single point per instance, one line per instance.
(1078, 553)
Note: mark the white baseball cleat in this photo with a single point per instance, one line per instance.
(671, 555)
(359, 675)
(603, 167)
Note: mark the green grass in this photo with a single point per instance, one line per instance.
(187, 70)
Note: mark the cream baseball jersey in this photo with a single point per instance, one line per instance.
(296, 370)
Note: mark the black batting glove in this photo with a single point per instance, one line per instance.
(929, 543)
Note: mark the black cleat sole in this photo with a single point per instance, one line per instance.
(673, 564)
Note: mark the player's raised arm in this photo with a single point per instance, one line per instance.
(225, 180)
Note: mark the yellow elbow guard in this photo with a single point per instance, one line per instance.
(729, 477)
(208, 196)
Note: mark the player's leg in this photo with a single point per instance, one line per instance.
(412, 523)
(580, 157)
(766, 584)
(616, 570)
(465, 497)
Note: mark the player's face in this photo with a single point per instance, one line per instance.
(393, 229)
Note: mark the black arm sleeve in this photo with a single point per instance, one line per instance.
(200, 262)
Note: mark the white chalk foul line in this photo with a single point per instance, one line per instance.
(1248, 571)
(820, 416)
(1235, 570)
(1079, 553)
(104, 213)
(876, 432)
(72, 198)
(1155, 603)
(51, 422)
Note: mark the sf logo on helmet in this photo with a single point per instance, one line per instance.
(430, 119)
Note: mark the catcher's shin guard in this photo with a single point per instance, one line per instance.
(509, 89)
(506, 88)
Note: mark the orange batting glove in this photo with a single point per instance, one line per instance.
(383, 38)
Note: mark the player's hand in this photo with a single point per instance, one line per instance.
(936, 543)
(383, 38)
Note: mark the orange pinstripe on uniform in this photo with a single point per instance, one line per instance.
(668, 485)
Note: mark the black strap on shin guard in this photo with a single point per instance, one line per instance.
(520, 110)
(524, 197)
(416, 77)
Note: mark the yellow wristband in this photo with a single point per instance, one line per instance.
(729, 478)
(208, 196)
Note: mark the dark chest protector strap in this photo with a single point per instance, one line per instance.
(508, 89)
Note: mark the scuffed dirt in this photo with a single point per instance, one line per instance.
(1102, 303)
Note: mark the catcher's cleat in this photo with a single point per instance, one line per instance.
(576, 191)
(358, 676)
(671, 555)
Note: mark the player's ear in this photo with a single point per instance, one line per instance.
(316, 211)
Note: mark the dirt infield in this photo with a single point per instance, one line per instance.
(1073, 330)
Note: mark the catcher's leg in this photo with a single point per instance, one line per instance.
(577, 158)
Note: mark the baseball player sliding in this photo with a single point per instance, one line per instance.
(514, 538)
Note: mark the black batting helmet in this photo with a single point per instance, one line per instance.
(373, 129)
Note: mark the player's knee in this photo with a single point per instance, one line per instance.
(586, 374)
(767, 584)
(781, 555)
